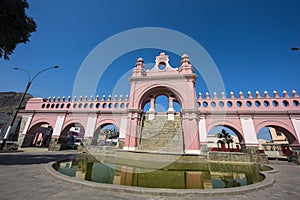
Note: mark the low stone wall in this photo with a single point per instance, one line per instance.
(228, 156)
(102, 149)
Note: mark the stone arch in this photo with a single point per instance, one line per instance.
(73, 121)
(102, 124)
(41, 120)
(156, 90)
(287, 130)
(39, 134)
(107, 121)
(179, 82)
(66, 130)
(228, 124)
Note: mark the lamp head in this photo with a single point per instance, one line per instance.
(55, 67)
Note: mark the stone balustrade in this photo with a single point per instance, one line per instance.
(79, 104)
(258, 103)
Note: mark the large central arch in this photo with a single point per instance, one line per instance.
(178, 84)
(155, 90)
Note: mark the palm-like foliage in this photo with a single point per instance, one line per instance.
(224, 138)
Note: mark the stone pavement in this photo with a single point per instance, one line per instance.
(23, 176)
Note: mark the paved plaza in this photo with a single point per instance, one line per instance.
(23, 176)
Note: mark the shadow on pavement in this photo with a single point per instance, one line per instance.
(29, 159)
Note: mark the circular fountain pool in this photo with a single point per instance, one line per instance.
(182, 174)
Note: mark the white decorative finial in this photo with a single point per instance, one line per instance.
(275, 94)
(266, 94)
(295, 93)
(250, 94)
(207, 95)
(257, 94)
(215, 95)
(241, 94)
(223, 95)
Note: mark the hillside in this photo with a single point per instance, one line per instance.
(9, 101)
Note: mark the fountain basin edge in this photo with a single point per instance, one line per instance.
(269, 180)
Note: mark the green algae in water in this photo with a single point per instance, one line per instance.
(175, 176)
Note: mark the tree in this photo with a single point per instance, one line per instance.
(15, 26)
(225, 138)
(218, 143)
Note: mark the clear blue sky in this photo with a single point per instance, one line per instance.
(249, 40)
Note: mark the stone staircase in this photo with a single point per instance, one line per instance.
(161, 135)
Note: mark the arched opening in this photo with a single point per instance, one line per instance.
(106, 135)
(275, 141)
(176, 106)
(160, 99)
(146, 107)
(161, 103)
(160, 126)
(38, 135)
(224, 138)
(72, 136)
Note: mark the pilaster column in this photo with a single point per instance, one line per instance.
(202, 130)
(171, 111)
(133, 128)
(58, 126)
(171, 104)
(89, 130)
(25, 123)
(249, 132)
(296, 124)
(190, 131)
(152, 111)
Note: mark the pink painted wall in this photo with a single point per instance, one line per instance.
(264, 110)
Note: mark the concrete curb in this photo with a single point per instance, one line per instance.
(267, 182)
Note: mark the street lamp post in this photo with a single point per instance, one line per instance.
(22, 99)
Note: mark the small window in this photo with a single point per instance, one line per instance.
(248, 103)
(266, 104)
(213, 104)
(285, 103)
(221, 104)
(257, 103)
(162, 66)
(229, 104)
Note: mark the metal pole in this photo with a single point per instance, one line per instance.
(20, 103)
